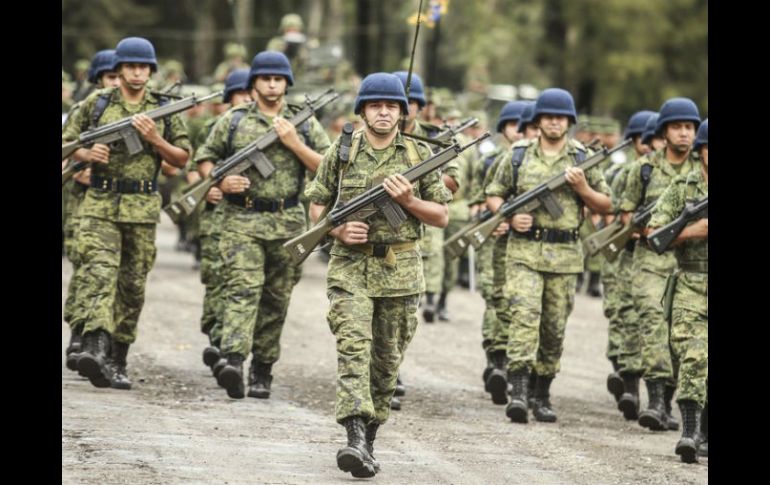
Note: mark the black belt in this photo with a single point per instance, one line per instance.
(549, 235)
(210, 206)
(630, 245)
(694, 266)
(262, 205)
(124, 186)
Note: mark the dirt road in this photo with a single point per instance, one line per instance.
(177, 426)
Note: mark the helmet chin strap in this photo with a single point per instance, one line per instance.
(379, 131)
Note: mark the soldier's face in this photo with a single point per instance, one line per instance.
(240, 97)
(680, 135)
(641, 148)
(704, 155)
(657, 143)
(270, 88)
(511, 131)
(382, 116)
(110, 79)
(134, 75)
(531, 131)
(414, 108)
(553, 127)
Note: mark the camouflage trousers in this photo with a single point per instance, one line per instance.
(451, 265)
(372, 335)
(431, 246)
(538, 307)
(611, 305)
(211, 275)
(689, 335)
(71, 224)
(116, 258)
(630, 351)
(258, 280)
(486, 284)
(647, 290)
(498, 331)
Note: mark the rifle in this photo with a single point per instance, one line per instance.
(250, 155)
(662, 238)
(71, 169)
(122, 129)
(478, 232)
(365, 205)
(612, 243)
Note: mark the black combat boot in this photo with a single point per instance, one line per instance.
(260, 379)
(542, 409)
(216, 369)
(654, 417)
(490, 364)
(497, 383)
(703, 449)
(614, 381)
(73, 349)
(628, 403)
(594, 289)
(531, 389)
(355, 457)
(687, 446)
(443, 314)
(429, 312)
(395, 403)
(211, 354)
(517, 408)
(668, 396)
(231, 377)
(400, 388)
(93, 358)
(371, 434)
(118, 377)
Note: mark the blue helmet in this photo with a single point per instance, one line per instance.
(102, 61)
(649, 128)
(273, 63)
(512, 111)
(702, 138)
(636, 124)
(416, 90)
(135, 49)
(237, 80)
(555, 101)
(677, 109)
(381, 85)
(527, 115)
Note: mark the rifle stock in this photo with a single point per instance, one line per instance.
(301, 246)
(593, 243)
(186, 205)
(69, 148)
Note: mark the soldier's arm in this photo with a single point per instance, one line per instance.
(632, 192)
(287, 132)
(176, 153)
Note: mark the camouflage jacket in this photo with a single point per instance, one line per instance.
(145, 165)
(661, 176)
(683, 189)
(287, 181)
(352, 270)
(534, 170)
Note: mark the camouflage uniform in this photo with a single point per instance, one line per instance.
(540, 285)
(459, 212)
(611, 282)
(73, 193)
(210, 226)
(651, 270)
(491, 264)
(373, 306)
(116, 240)
(256, 269)
(689, 312)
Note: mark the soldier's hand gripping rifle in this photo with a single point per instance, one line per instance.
(123, 130)
(662, 237)
(477, 233)
(250, 155)
(369, 203)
